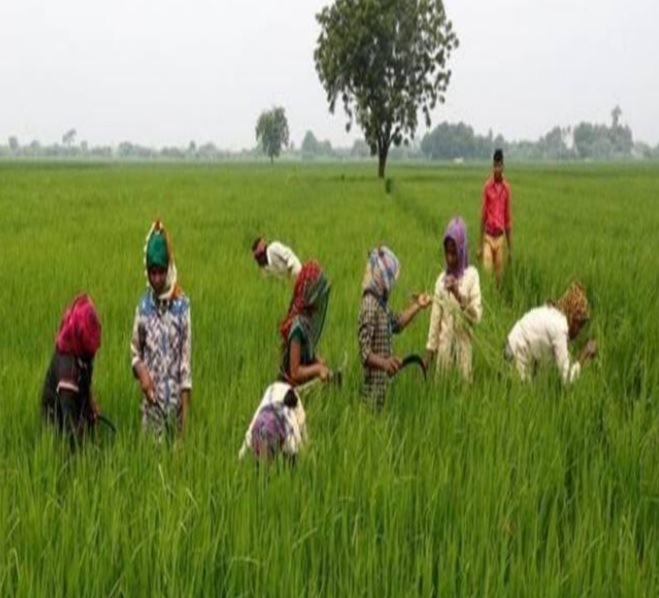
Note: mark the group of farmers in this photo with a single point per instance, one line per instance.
(161, 350)
(543, 334)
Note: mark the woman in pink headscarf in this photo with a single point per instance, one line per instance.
(456, 305)
(67, 401)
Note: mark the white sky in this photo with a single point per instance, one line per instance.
(164, 72)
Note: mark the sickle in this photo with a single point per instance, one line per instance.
(413, 359)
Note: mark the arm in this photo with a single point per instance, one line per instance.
(471, 301)
(387, 364)
(369, 358)
(293, 264)
(588, 352)
(418, 304)
(185, 372)
(299, 373)
(569, 372)
(139, 369)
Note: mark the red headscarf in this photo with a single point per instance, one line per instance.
(305, 293)
(80, 330)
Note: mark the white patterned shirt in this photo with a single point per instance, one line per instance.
(161, 341)
(282, 262)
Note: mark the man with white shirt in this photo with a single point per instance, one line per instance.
(276, 258)
(544, 332)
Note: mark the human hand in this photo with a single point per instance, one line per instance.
(93, 410)
(452, 284)
(423, 300)
(590, 350)
(324, 372)
(146, 384)
(392, 365)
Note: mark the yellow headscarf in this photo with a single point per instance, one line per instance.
(574, 303)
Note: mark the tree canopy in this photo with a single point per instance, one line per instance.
(385, 60)
(272, 132)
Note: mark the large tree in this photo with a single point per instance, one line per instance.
(386, 62)
(272, 132)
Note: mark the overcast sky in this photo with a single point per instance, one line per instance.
(164, 72)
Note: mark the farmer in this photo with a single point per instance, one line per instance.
(161, 346)
(302, 327)
(278, 426)
(456, 307)
(67, 400)
(276, 259)
(377, 323)
(495, 219)
(544, 332)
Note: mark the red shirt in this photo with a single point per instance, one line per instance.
(495, 213)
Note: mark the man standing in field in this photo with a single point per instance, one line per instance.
(276, 258)
(495, 219)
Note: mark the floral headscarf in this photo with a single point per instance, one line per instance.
(381, 273)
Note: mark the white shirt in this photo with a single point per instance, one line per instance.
(296, 419)
(541, 336)
(447, 319)
(282, 261)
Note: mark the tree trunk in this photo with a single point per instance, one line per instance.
(382, 160)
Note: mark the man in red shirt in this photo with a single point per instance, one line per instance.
(495, 219)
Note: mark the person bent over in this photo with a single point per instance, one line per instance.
(67, 400)
(278, 426)
(543, 334)
(302, 328)
(276, 259)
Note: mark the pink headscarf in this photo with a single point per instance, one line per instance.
(80, 330)
(457, 232)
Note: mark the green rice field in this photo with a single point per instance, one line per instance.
(497, 488)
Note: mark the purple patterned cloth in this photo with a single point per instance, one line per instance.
(457, 232)
(268, 433)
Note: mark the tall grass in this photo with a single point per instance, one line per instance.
(497, 488)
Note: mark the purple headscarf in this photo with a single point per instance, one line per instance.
(457, 232)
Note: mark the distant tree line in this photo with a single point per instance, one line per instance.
(447, 141)
(126, 150)
(585, 141)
